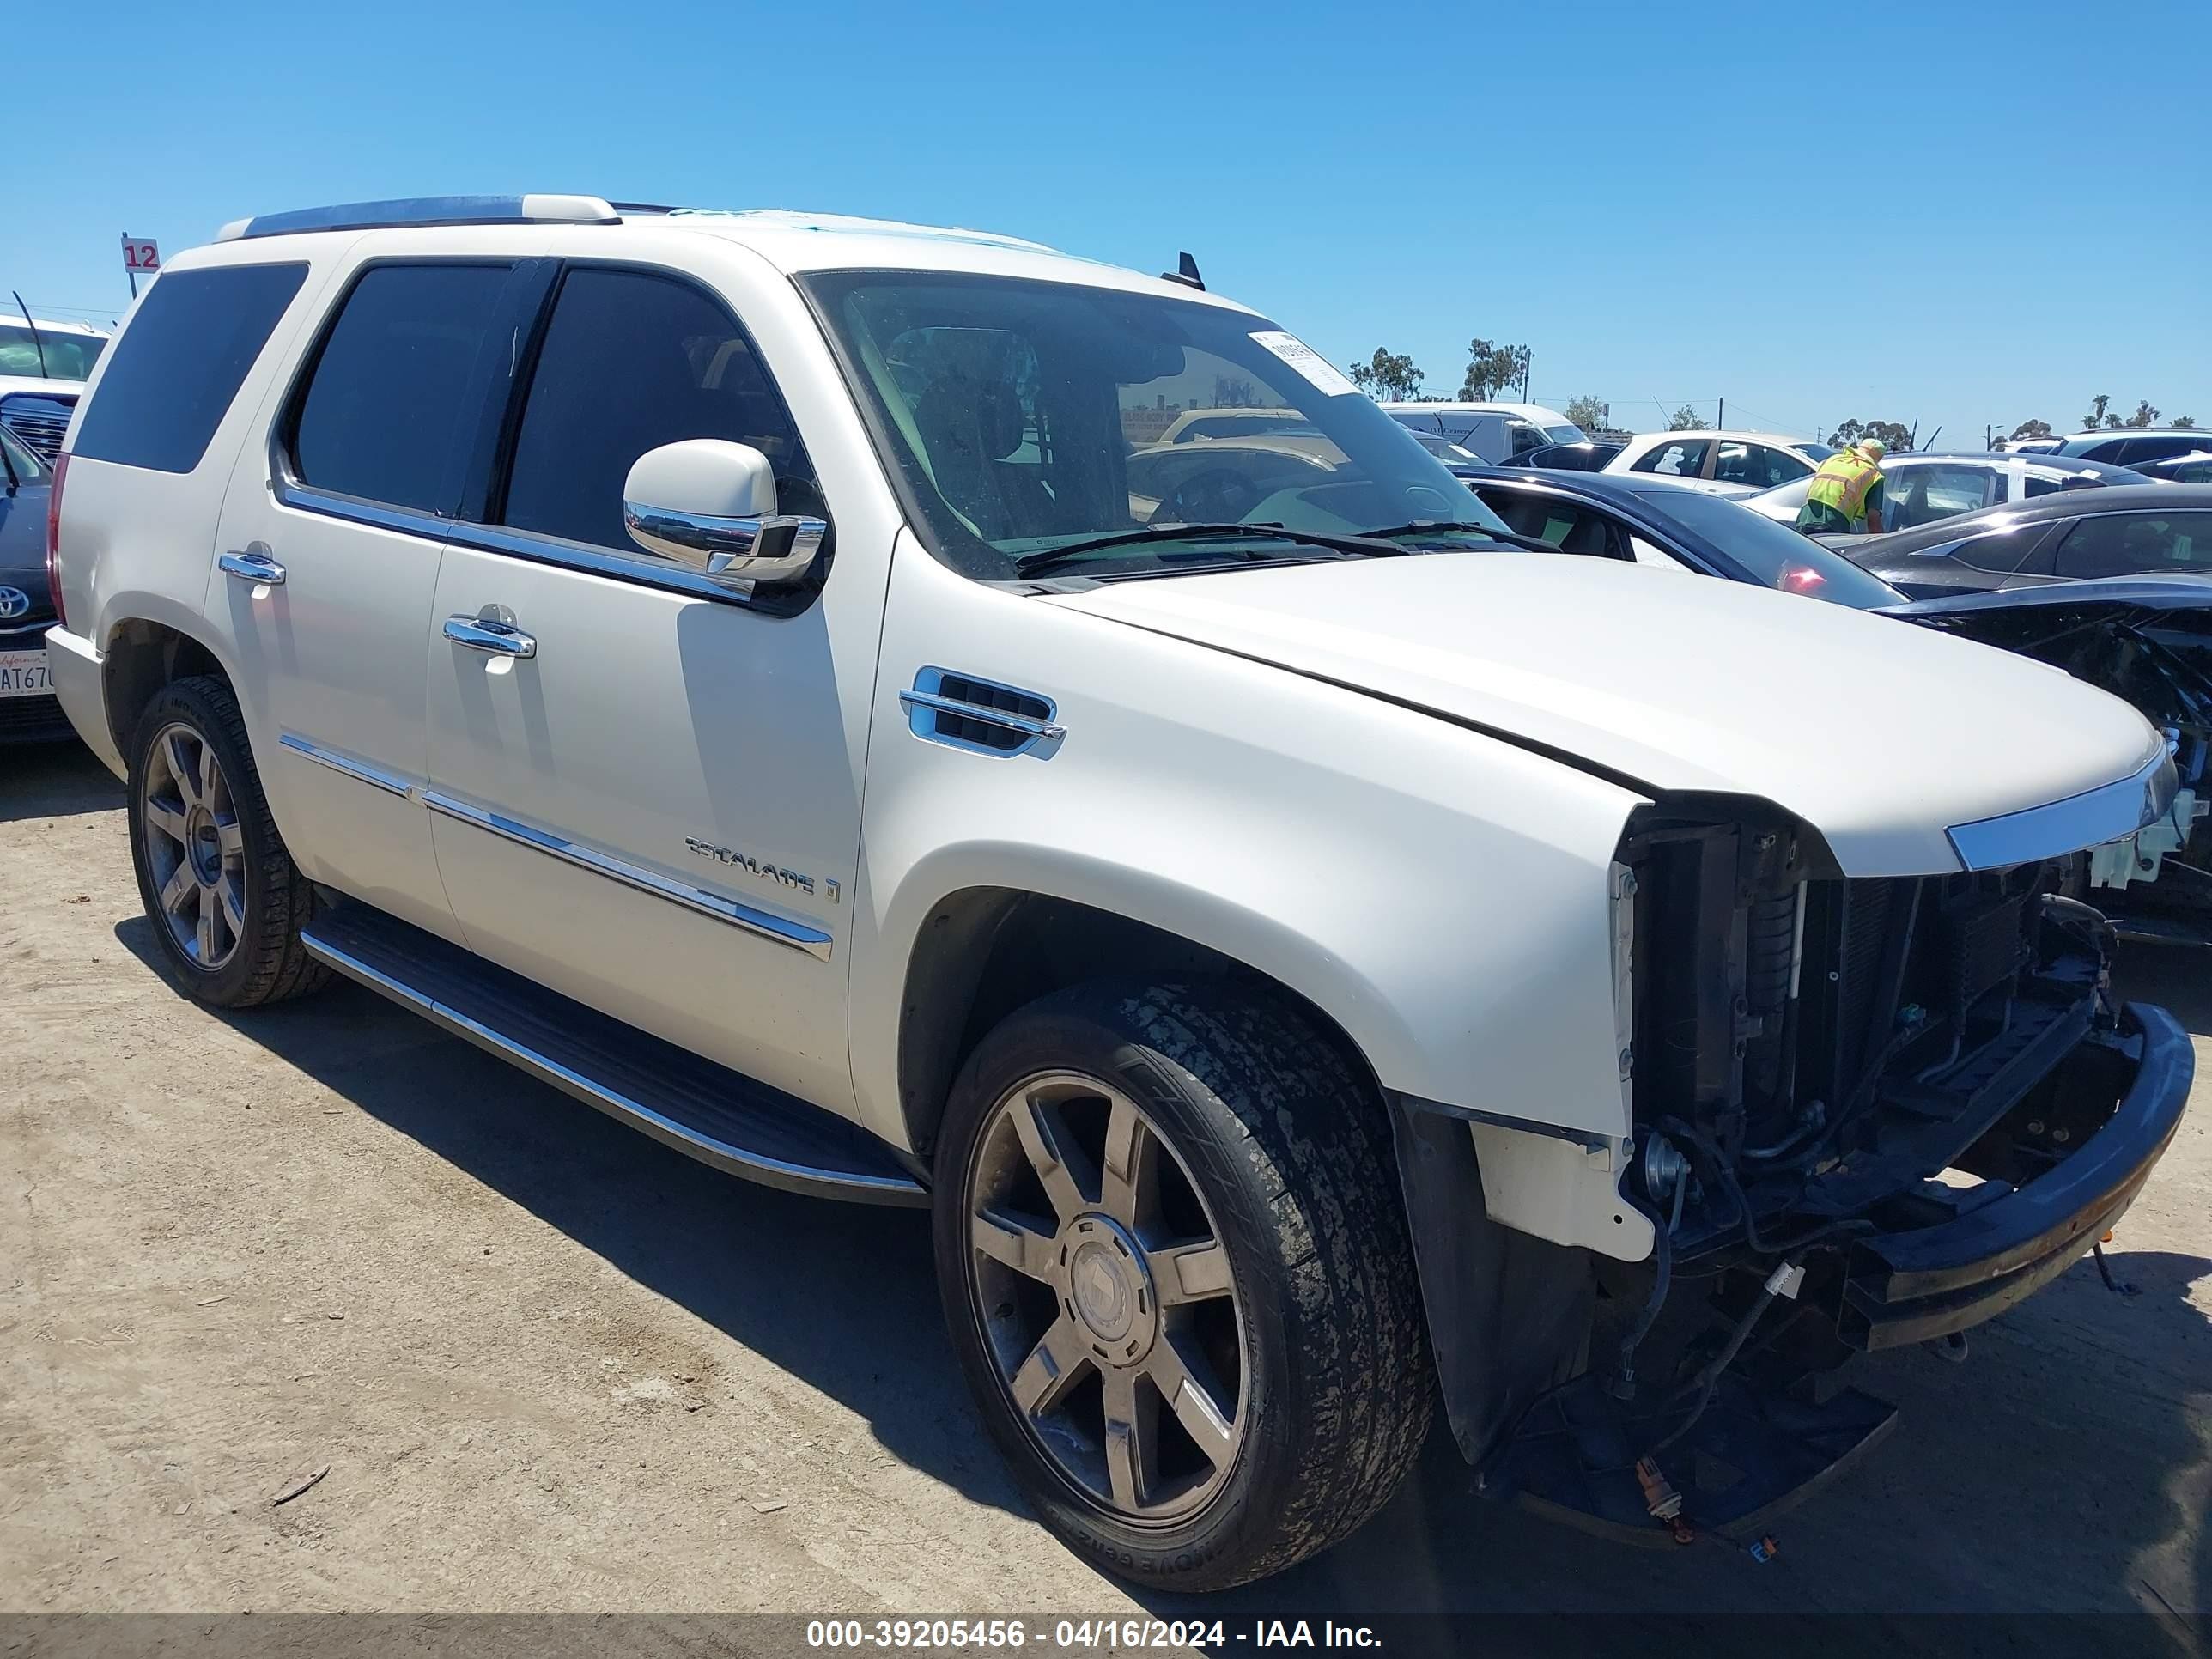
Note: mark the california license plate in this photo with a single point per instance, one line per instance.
(23, 674)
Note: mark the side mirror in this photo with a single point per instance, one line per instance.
(710, 505)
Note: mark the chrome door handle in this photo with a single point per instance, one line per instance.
(253, 565)
(485, 634)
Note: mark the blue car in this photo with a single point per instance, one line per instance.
(29, 712)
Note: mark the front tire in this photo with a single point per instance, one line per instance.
(225, 898)
(1174, 1263)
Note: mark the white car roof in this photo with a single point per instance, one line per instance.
(1536, 413)
(50, 326)
(790, 241)
(1644, 440)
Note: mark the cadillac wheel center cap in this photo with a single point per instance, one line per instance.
(1108, 1289)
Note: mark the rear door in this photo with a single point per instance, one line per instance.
(328, 556)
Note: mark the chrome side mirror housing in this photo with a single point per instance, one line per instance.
(709, 506)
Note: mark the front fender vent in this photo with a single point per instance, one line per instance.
(980, 715)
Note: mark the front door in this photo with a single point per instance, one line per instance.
(644, 789)
(329, 549)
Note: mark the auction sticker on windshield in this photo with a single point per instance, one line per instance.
(23, 674)
(1308, 361)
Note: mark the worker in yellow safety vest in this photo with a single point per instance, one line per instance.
(1846, 496)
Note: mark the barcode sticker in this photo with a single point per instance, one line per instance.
(1308, 361)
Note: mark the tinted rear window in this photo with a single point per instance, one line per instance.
(179, 363)
(395, 385)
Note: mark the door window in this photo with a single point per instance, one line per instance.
(1567, 525)
(1677, 458)
(2132, 544)
(1922, 494)
(393, 404)
(182, 359)
(1760, 465)
(632, 361)
(2002, 553)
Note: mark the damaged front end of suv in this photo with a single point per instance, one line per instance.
(1866, 1113)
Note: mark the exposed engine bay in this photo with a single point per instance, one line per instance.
(1843, 1091)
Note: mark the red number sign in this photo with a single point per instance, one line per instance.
(142, 257)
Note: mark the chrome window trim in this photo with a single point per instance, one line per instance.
(643, 572)
(360, 771)
(2095, 818)
(783, 930)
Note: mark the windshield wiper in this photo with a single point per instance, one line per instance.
(1508, 536)
(1046, 559)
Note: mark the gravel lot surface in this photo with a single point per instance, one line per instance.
(549, 1364)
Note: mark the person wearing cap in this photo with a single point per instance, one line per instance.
(1846, 496)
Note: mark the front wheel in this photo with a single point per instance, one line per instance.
(1175, 1267)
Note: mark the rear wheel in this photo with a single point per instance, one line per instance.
(1175, 1266)
(225, 898)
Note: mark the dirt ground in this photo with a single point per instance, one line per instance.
(549, 1364)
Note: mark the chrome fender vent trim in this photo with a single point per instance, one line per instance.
(964, 711)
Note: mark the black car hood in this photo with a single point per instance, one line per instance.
(2146, 639)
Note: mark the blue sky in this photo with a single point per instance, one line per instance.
(1957, 214)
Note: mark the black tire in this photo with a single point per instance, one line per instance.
(269, 962)
(1290, 1150)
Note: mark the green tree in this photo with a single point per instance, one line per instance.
(1231, 392)
(1493, 368)
(1388, 377)
(1894, 436)
(2031, 429)
(2188, 421)
(1588, 412)
(1686, 419)
(2096, 417)
(2144, 414)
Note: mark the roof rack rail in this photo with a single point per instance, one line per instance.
(537, 210)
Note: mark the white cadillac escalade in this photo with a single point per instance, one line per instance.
(801, 686)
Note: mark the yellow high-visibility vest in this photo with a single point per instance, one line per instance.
(1843, 482)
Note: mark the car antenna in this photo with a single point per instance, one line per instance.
(1186, 272)
(41, 344)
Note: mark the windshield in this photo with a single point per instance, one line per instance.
(1771, 553)
(1022, 416)
(1566, 434)
(1813, 452)
(1443, 448)
(69, 356)
(22, 465)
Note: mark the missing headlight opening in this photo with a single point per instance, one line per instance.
(1827, 1077)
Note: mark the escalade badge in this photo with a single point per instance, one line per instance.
(14, 602)
(761, 867)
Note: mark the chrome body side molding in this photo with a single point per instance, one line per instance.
(360, 770)
(784, 930)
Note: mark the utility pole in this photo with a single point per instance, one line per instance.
(1720, 417)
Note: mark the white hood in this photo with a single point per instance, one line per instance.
(1880, 734)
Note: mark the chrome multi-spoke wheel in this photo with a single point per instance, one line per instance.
(1106, 1296)
(1176, 1269)
(226, 900)
(195, 850)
